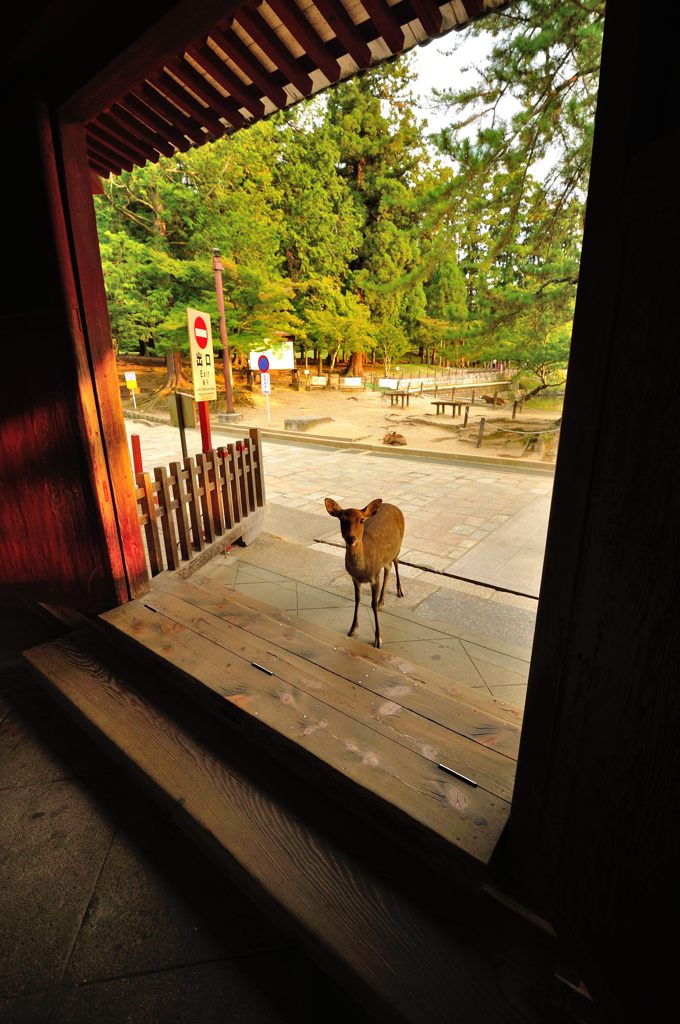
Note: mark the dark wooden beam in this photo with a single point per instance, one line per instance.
(107, 156)
(386, 23)
(141, 130)
(294, 20)
(217, 104)
(113, 128)
(189, 105)
(100, 171)
(185, 23)
(474, 8)
(217, 69)
(157, 101)
(335, 15)
(236, 49)
(429, 15)
(98, 133)
(265, 37)
(147, 116)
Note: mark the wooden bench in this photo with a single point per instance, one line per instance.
(456, 406)
(398, 396)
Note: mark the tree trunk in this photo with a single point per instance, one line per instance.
(355, 367)
(175, 381)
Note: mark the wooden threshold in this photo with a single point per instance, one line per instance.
(366, 728)
(409, 949)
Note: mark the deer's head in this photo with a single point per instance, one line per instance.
(352, 520)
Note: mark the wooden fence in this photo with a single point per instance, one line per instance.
(188, 506)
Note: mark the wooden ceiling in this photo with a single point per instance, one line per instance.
(265, 56)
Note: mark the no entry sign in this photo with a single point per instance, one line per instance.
(202, 356)
(263, 364)
(201, 332)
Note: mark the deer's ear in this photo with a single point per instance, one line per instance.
(372, 507)
(332, 507)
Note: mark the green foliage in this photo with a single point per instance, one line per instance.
(339, 224)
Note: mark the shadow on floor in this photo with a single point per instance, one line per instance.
(107, 913)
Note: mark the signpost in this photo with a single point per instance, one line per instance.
(265, 381)
(182, 415)
(202, 369)
(132, 385)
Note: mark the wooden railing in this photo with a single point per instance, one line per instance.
(192, 504)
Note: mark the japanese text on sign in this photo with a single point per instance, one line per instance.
(202, 356)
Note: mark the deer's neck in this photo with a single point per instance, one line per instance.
(355, 558)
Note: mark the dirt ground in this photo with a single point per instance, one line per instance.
(368, 416)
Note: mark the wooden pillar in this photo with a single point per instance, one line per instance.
(594, 825)
(66, 537)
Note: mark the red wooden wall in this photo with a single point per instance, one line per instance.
(67, 530)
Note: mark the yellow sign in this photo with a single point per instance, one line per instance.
(202, 356)
(131, 381)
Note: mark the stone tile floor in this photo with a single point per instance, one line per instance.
(477, 636)
(107, 913)
(471, 520)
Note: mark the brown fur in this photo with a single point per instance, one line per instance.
(373, 537)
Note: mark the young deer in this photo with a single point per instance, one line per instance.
(372, 537)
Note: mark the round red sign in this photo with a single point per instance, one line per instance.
(200, 332)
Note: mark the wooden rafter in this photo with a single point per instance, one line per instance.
(335, 15)
(201, 87)
(429, 15)
(140, 147)
(235, 72)
(138, 128)
(187, 125)
(265, 37)
(245, 59)
(97, 136)
(155, 122)
(190, 106)
(386, 22)
(299, 27)
(244, 94)
(107, 157)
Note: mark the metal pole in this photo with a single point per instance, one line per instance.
(217, 267)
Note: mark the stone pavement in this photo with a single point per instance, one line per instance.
(471, 560)
(108, 913)
(482, 523)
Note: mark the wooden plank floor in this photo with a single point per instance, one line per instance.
(411, 950)
(366, 727)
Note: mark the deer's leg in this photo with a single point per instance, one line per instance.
(384, 584)
(357, 599)
(400, 592)
(374, 605)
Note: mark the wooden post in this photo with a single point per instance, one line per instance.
(472, 400)
(136, 454)
(167, 522)
(177, 482)
(204, 418)
(467, 410)
(482, 424)
(259, 469)
(514, 409)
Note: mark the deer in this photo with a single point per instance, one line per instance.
(372, 537)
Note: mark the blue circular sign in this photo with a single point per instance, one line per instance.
(263, 364)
